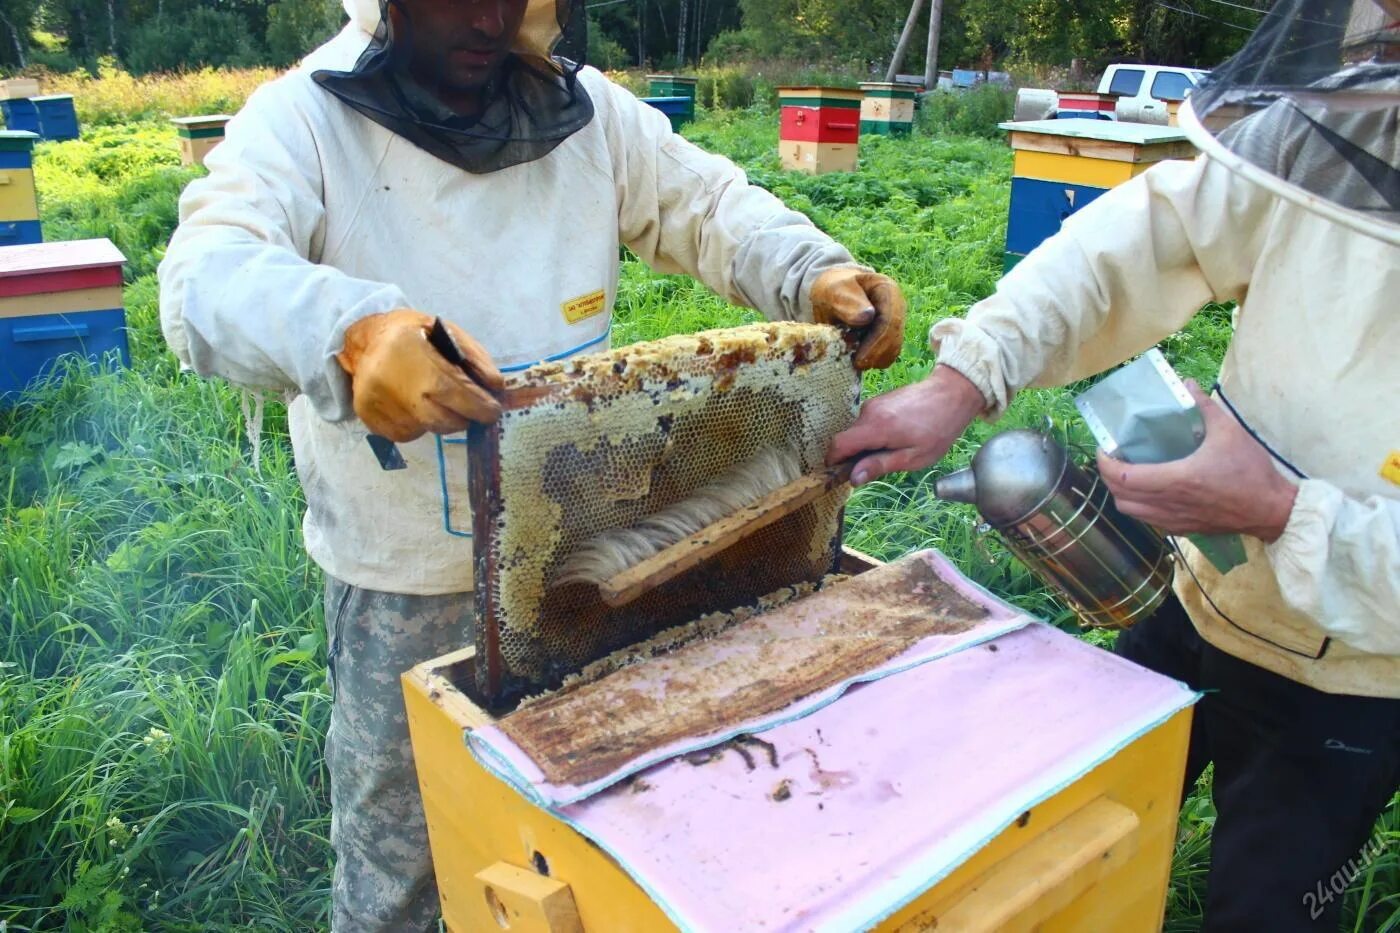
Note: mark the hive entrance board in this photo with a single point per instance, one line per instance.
(603, 441)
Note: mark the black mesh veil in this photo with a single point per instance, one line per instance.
(1311, 107)
(531, 106)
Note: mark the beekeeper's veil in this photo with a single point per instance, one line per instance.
(1310, 108)
(534, 103)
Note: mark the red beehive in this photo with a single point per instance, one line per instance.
(820, 128)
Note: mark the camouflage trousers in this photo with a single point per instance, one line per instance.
(383, 869)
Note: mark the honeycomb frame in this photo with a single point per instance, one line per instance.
(600, 441)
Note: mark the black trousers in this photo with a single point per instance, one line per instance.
(1300, 778)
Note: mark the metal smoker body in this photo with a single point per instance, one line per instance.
(1059, 519)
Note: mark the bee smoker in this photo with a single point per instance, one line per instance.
(1059, 519)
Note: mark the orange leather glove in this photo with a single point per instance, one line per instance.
(864, 301)
(403, 387)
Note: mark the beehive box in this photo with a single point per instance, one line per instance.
(51, 117)
(1062, 165)
(57, 299)
(1093, 855)
(19, 88)
(199, 135)
(820, 129)
(671, 86)
(679, 110)
(1088, 100)
(19, 204)
(887, 109)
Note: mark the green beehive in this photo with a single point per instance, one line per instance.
(671, 86)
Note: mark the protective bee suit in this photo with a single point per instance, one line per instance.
(1293, 212)
(1310, 369)
(344, 193)
(311, 206)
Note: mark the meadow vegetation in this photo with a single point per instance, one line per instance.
(162, 653)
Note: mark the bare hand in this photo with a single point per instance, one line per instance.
(909, 428)
(1228, 486)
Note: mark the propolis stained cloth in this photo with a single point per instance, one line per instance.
(774, 667)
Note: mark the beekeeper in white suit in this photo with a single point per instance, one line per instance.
(1294, 213)
(433, 159)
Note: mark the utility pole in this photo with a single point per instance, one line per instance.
(904, 38)
(935, 22)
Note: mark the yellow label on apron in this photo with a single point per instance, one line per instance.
(1391, 469)
(585, 306)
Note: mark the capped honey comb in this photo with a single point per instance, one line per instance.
(602, 441)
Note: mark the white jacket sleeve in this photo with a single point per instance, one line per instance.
(1338, 562)
(242, 295)
(1122, 274)
(683, 210)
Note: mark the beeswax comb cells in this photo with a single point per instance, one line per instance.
(603, 441)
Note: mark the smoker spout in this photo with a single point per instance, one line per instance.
(957, 487)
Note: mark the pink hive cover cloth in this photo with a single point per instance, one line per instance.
(846, 810)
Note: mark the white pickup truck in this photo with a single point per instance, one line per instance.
(1136, 93)
(1150, 82)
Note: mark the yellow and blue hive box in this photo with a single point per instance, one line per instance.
(887, 109)
(199, 135)
(58, 299)
(1062, 165)
(19, 205)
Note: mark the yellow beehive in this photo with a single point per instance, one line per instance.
(1094, 856)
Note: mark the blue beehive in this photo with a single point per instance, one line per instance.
(1039, 207)
(51, 117)
(679, 110)
(58, 299)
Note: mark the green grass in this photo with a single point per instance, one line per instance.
(162, 685)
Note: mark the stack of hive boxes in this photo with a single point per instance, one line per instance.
(198, 135)
(673, 95)
(1062, 165)
(19, 206)
(56, 299)
(50, 117)
(888, 109)
(1093, 106)
(820, 130)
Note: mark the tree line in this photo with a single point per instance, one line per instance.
(160, 35)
